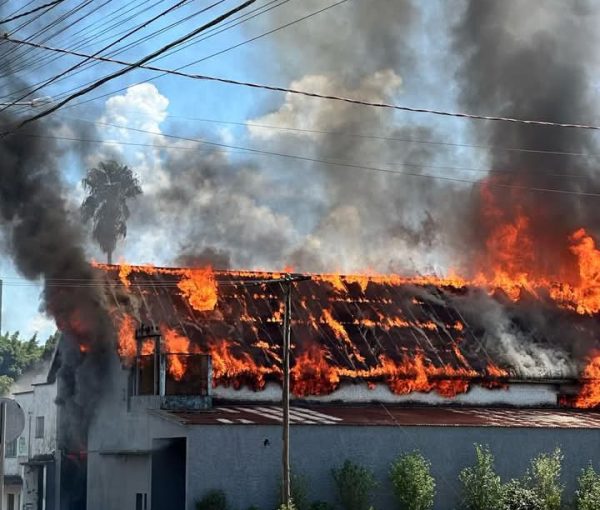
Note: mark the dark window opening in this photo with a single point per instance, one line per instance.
(10, 501)
(39, 427)
(141, 501)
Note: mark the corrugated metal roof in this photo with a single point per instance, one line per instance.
(342, 327)
(380, 415)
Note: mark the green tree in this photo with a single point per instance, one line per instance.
(588, 491)
(18, 355)
(544, 477)
(354, 484)
(414, 486)
(482, 487)
(108, 188)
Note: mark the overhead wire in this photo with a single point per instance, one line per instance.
(142, 65)
(129, 33)
(23, 14)
(246, 16)
(86, 67)
(269, 154)
(386, 138)
(132, 66)
(249, 150)
(220, 52)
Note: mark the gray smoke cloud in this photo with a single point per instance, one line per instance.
(45, 244)
(533, 62)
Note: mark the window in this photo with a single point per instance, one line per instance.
(141, 501)
(39, 427)
(10, 501)
(22, 449)
(11, 449)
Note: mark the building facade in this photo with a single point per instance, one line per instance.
(30, 459)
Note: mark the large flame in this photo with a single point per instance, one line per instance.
(510, 266)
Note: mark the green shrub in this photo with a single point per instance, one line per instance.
(213, 500)
(519, 496)
(321, 505)
(299, 492)
(544, 478)
(482, 487)
(291, 506)
(588, 491)
(414, 487)
(354, 484)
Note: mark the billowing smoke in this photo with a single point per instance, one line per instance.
(532, 62)
(46, 245)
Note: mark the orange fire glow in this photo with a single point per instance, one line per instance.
(200, 289)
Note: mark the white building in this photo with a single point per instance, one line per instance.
(30, 474)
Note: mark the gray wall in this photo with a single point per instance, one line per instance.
(235, 459)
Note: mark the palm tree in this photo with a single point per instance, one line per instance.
(108, 188)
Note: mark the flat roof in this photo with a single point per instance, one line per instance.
(389, 415)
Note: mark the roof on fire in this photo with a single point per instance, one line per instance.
(342, 327)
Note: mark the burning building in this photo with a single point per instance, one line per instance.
(380, 365)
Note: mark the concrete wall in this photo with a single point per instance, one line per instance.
(234, 458)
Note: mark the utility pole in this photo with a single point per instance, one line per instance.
(2, 451)
(286, 393)
(287, 284)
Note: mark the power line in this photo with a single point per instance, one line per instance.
(49, 4)
(111, 44)
(134, 65)
(195, 40)
(266, 153)
(141, 65)
(386, 138)
(355, 166)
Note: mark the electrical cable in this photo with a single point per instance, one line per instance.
(111, 44)
(141, 64)
(209, 33)
(217, 32)
(49, 4)
(132, 66)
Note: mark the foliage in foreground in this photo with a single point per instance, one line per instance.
(544, 476)
(354, 485)
(414, 486)
(520, 496)
(588, 491)
(482, 486)
(213, 500)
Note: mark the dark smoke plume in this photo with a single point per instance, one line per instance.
(531, 60)
(45, 244)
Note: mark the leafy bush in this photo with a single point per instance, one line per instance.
(544, 477)
(414, 487)
(354, 484)
(482, 487)
(588, 492)
(291, 506)
(299, 492)
(321, 505)
(213, 500)
(518, 496)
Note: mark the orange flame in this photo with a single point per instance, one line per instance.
(200, 289)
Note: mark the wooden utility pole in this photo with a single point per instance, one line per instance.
(286, 392)
(2, 451)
